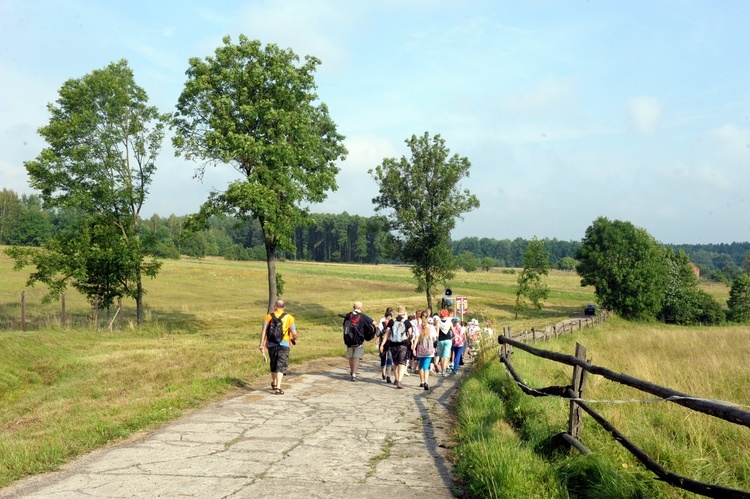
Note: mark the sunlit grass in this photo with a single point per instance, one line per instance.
(67, 390)
(703, 362)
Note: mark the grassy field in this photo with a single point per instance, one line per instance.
(499, 424)
(67, 390)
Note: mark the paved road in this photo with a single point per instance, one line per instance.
(325, 437)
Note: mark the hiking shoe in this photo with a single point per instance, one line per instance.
(388, 379)
(384, 377)
(421, 385)
(426, 386)
(399, 385)
(354, 378)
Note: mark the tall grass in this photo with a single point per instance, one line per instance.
(704, 362)
(67, 390)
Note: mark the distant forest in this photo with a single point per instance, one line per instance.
(329, 238)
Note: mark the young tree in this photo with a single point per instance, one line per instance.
(422, 201)
(683, 302)
(567, 263)
(103, 140)
(530, 283)
(467, 261)
(625, 265)
(739, 299)
(487, 263)
(11, 210)
(255, 108)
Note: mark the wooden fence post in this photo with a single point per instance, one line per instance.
(533, 335)
(507, 349)
(122, 314)
(574, 423)
(96, 313)
(23, 310)
(63, 317)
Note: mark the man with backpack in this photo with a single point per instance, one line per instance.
(277, 333)
(398, 340)
(357, 328)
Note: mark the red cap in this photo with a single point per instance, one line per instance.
(444, 313)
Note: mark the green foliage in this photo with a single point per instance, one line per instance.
(683, 302)
(422, 200)
(467, 261)
(279, 284)
(487, 263)
(102, 143)
(626, 266)
(739, 299)
(567, 263)
(256, 108)
(530, 284)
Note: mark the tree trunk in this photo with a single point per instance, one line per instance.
(428, 288)
(271, 263)
(138, 296)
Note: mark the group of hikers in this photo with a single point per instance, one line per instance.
(419, 342)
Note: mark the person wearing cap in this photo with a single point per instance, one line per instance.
(398, 340)
(445, 335)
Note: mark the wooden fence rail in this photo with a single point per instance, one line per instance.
(574, 392)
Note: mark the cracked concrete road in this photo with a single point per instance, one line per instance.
(325, 437)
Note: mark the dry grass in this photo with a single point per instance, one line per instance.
(702, 362)
(65, 391)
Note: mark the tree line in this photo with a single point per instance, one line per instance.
(327, 237)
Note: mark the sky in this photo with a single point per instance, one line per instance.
(567, 110)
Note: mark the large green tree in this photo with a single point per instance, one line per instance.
(531, 285)
(102, 142)
(422, 200)
(626, 266)
(256, 108)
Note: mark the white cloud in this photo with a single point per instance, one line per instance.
(304, 26)
(646, 113)
(732, 142)
(366, 152)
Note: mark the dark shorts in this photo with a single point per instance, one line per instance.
(279, 357)
(385, 358)
(399, 352)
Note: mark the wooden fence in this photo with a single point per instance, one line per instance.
(563, 327)
(23, 321)
(574, 393)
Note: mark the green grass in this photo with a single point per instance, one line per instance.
(67, 390)
(705, 362)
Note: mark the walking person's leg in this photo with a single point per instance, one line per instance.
(457, 354)
(355, 354)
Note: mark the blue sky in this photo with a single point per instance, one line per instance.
(567, 110)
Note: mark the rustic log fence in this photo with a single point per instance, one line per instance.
(574, 393)
(63, 320)
(565, 327)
